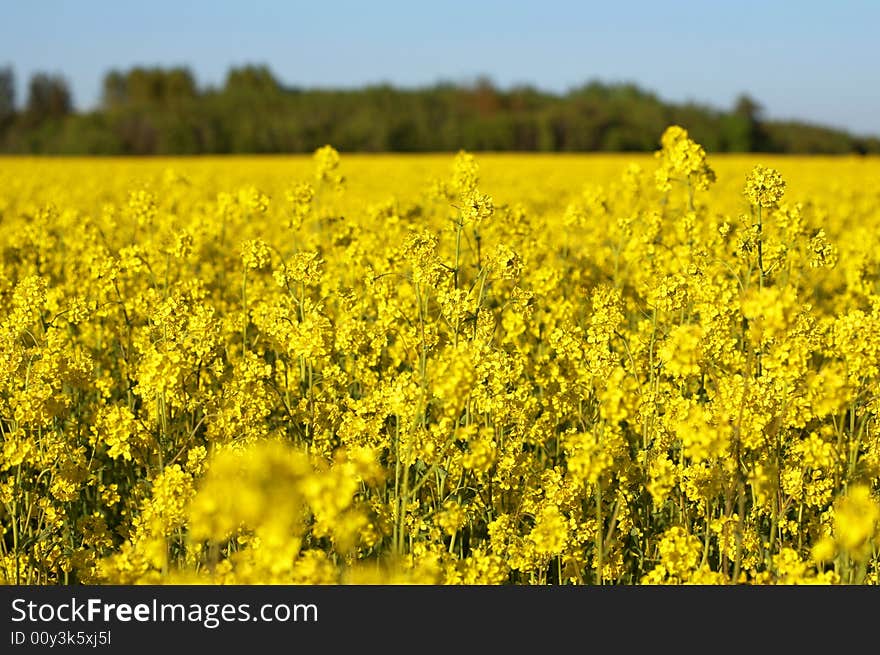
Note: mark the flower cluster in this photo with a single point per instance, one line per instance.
(483, 373)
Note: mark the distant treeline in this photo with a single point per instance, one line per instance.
(146, 111)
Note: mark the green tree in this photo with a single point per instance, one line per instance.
(162, 110)
(114, 90)
(48, 99)
(7, 96)
(742, 129)
(251, 79)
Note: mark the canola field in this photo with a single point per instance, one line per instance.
(445, 369)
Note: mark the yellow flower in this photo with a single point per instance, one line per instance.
(255, 254)
(682, 159)
(550, 534)
(855, 521)
(326, 163)
(764, 186)
(398, 382)
(681, 352)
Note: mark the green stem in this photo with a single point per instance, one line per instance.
(459, 226)
(244, 345)
(760, 249)
(599, 534)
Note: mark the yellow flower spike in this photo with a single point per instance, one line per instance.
(856, 518)
(682, 159)
(482, 381)
(764, 186)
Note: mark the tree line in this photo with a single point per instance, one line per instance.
(152, 111)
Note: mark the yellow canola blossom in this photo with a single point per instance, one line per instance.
(456, 369)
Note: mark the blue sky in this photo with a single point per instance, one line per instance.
(818, 61)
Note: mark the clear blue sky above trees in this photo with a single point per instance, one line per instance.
(810, 60)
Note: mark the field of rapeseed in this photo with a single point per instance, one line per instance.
(440, 369)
